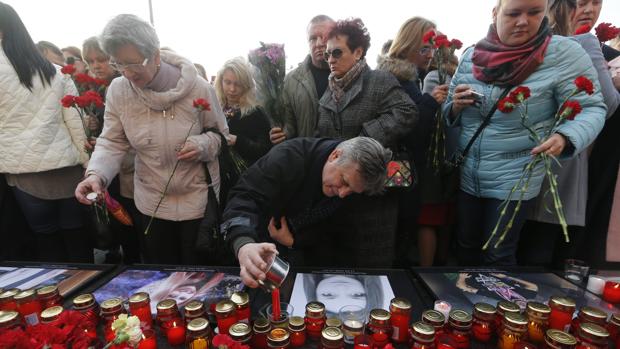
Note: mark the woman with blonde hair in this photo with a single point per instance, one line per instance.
(247, 123)
(408, 59)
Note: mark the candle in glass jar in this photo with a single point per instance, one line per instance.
(332, 338)
(613, 327)
(422, 336)
(225, 315)
(297, 328)
(51, 315)
(562, 309)
(9, 320)
(242, 304)
(167, 314)
(400, 317)
(278, 338)
(538, 321)
(176, 334)
(110, 310)
(556, 339)
(315, 319)
(28, 306)
(7, 301)
(241, 333)
(435, 319)
(443, 307)
(503, 308)
(459, 328)
(148, 340)
(514, 330)
(261, 328)
(588, 314)
(140, 306)
(483, 323)
(193, 310)
(49, 296)
(379, 328)
(87, 305)
(198, 335)
(611, 292)
(592, 336)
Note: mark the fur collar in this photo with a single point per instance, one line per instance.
(402, 69)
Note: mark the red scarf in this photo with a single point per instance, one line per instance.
(496, 63)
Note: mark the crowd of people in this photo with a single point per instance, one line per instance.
(312, 188)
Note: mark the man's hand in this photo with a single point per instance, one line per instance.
(277, 135)
(253, 259)
(190, 152)
(92, 184)
(282, 235)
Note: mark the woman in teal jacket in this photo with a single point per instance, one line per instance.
(519, 50)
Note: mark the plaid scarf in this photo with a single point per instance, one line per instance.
(496, 63)
(338, 86)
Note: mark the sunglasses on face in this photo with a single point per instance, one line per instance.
(336, 53)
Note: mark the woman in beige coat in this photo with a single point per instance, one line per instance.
(150, 109)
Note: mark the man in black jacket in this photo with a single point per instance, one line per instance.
(298, 184)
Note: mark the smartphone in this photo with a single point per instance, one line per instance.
(477, 97)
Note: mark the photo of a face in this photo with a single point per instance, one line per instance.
(338, 290)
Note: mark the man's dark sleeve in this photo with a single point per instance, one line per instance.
(263, 189)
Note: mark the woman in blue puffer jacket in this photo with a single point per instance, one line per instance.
(519, 49)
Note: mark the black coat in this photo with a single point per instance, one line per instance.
(252, 131)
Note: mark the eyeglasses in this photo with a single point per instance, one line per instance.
(426, 50)
(136, 67)
(336, 53)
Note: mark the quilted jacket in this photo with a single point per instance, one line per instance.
(36, 133)
(497, 158)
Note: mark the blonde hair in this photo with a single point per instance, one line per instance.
(242, 71)
(615, 43)
(559, 13)
(409, 37)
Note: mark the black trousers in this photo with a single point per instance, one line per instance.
(544, 245)
(477, 218)
(170, 242)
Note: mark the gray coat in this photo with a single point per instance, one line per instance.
(573, 175)
(300, 101)
(375, 105)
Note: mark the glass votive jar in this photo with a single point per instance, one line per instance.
(483, 322)
(503, 308)
(459, 328)
(51, 315)
(333, 322)
(261, 329)
(241, 333)
(7, 300)
(286, 310)
(556, 339)
(140, 306)
(88, 306)
(592, 336)
(611, 292)
(168, 315)
(561, 316)
(49, 296)
(193, 310)
(379, 328)
(110, 310)
(422, 336)
(353, 318)
(315, 319)
(400, 317)
(538, 321)
(278, 338)
(242, 304)
(29, 307)
(514, 330)
(225, 315)
(588, 314)
(297, 330)
(613, 327)
(332, 338)
(10, 320)
(435, 319)
(198, 334)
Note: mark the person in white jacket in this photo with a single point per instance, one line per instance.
(41, 144)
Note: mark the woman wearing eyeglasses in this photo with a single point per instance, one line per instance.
(408, 59)
(150, 109)
(519, 49)
(364, 102)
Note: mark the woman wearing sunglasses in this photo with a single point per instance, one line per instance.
(150, 109)
(363, 102)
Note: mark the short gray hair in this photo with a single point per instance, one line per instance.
(129, 29)
(371, 159)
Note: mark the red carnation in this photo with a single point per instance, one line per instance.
(456, 43)
(68, 69)
(570, 109)
(222, 340)
(584, 84)
(94, 97)
(520, 94)
(606, 32)
(101, 82)
(506, 105)
(82, 101)
(84, 79)
(68, 101)
(428, 37)
(583, 29)
(202, 104)
(442, 41)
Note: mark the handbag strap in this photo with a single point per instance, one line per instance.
(484, 123)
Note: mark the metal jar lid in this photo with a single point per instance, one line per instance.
(615, 319)
(331, 336)
(239, 330)
(9, 293)
(379, 317)
(224, 307)
(562, 303)
(556, 338)
(593, 331)
(198, 324)
(538, 310)
(111, 305)
(262, 325)
(460, 319)
(593, 313)
(24, 295)
(484, 311)
(423, 332)
(47, 291)
(515, 321)
(194, 306)
(315, 310)
(433, 317)
(504, 307)
(167, 304)
(51, 312)
(296, 323)
(278, 337)
(400, 304)
(139, 298)
(240, 299)
(335, 322)
(8, 316)
(83, 301)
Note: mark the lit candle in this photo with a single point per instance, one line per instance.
(275, 303)
(176, 334)
(611, 292)
(596, 284)
(148, 340)
(443, 307)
